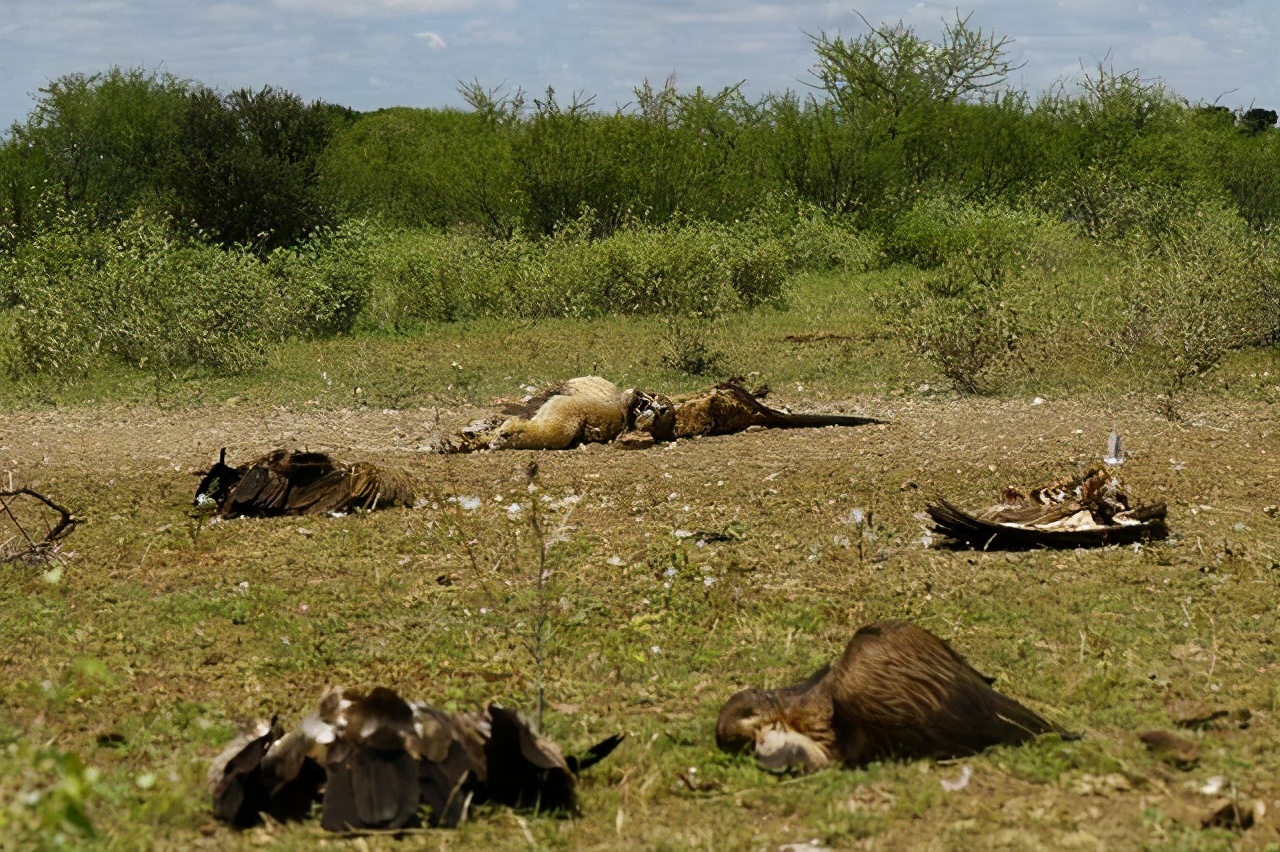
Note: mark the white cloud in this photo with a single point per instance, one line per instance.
(433, 40)
(382, 8)
(1170, 50)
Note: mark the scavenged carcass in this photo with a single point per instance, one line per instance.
(1087, 511)
(590, 409)
(296, 482)
(897, 692)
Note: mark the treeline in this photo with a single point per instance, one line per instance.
(266, 169)
(407, 215)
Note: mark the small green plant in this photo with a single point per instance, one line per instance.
(49, 808)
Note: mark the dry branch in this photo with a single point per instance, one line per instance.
(31, 546)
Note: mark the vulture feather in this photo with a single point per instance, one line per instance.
(1089, 511)
(897, 692)
(293, 482)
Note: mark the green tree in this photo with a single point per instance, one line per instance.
(246, 169)
(421, 167)
(96, 143)
(876, 130)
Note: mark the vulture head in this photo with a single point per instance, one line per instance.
(217, 482)
(754, 719)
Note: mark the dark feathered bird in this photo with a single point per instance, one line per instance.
(897, 692)
(379, 758)
(292, 482)
(1088, 511)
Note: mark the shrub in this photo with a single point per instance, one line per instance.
(692, 269)
(324, 283)
(135, 294)
(957, 314)
(1197, 292)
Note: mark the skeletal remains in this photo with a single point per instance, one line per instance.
(1087, 511)
(373, 761)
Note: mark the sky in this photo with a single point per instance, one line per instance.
(368, 54)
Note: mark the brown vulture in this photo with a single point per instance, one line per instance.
(373, 761)
(297, 482)
(897, 692)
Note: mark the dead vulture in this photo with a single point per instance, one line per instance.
(374, 760)
(898, 692)
(295, 482)
(584, 410)
(1088, 511)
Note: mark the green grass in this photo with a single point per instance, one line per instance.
(161, 637)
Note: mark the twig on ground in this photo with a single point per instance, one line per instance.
(33, 547)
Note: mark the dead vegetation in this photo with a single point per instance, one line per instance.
(31, 526)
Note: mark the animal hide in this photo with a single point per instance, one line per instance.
(591, 409)
(729, 408)
(374, 760)
(582, 410)
(293, 482)
(1089, 511)
(897, 692)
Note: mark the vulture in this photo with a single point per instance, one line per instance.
(372, 761)
(898, 692)
(1088, 511)
(297, 482)
(591, 409)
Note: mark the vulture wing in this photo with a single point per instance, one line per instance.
(907, 693)
(1050, 528)
(240, 792)
(525, 770)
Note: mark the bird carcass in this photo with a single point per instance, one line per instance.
(378, 762)
(590, 409)
(897, 692)
(1088, 511)
(296, 482)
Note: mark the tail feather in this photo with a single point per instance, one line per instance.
(593, 755)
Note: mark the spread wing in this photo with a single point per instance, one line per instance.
(1040, 527)
(911, 695)
(525, 770)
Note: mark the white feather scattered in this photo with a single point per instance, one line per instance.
(958, 784)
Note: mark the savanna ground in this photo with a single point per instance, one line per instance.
(126, 666)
